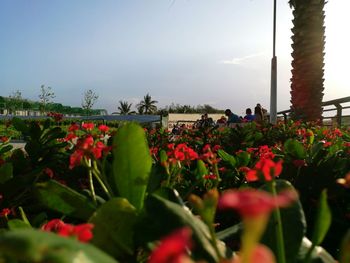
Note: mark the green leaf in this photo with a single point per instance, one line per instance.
(132, 163)
(323, 220)
(295, 148)
(31, 245)
(5, 149)
(17, 223)
(290, 216)
(114, 228)
(63, 199)
(20, 125)
(243, 159)
(201, 169)
(6, 172)
(227, 158)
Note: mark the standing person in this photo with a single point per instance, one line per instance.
(231, 117)
(259, 114)
(249, 116)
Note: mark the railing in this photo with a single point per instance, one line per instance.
(337, 105)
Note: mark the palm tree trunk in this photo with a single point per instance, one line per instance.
(308, 59)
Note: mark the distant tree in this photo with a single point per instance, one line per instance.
(27, 105)
(15, 101)
(89, 99)
(125, 108)
(147, 105)
(46, 95)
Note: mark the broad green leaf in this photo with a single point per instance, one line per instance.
(31, 245)
(323, 220)
(227, 158)
(243, 159)
(201, 169)
(63, 199)
(291, 216)
(114, 228)
(295, 148)
(6, 172)
(132, 163)
(6, 149)
(20, 125)
(17, 223)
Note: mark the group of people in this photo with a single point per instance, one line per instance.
(258, 116)
(229, 118)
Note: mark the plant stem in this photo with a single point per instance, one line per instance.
(93, 195)
(308, 254)
(97, 175)
(214, 243)
(281, 257)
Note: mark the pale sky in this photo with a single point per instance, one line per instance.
(215, 52)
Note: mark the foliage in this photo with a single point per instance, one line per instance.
(145, 189)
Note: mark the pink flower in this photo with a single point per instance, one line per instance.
(173, 247)
(252, 203)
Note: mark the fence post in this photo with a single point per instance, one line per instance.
(339, 113)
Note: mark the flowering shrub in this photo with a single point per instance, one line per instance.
(134, 186)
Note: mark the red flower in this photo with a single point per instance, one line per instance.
(73, 127)
(4, 139)
(299, 163)
(75, 158)
(88, 126)
(48, 172)
(103, 128)
(173, 247)
(5, 212)
(82, 232)
(210, 177)
(252, 203)
(264, 168)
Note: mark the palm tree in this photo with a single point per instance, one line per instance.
(125, 108)
(146, 106)
(308, 59)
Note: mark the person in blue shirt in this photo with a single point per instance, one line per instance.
(249, 116)
(231, 117)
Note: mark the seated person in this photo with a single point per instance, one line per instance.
(249, 116)
(231, 117)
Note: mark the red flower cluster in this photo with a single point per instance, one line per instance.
(55, 115)
(88, 145)
(89, 148)
(266, 169)
(172, 249)
(181, 153)
(82, 232)
(208, 155)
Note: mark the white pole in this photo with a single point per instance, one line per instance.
(273, 93)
